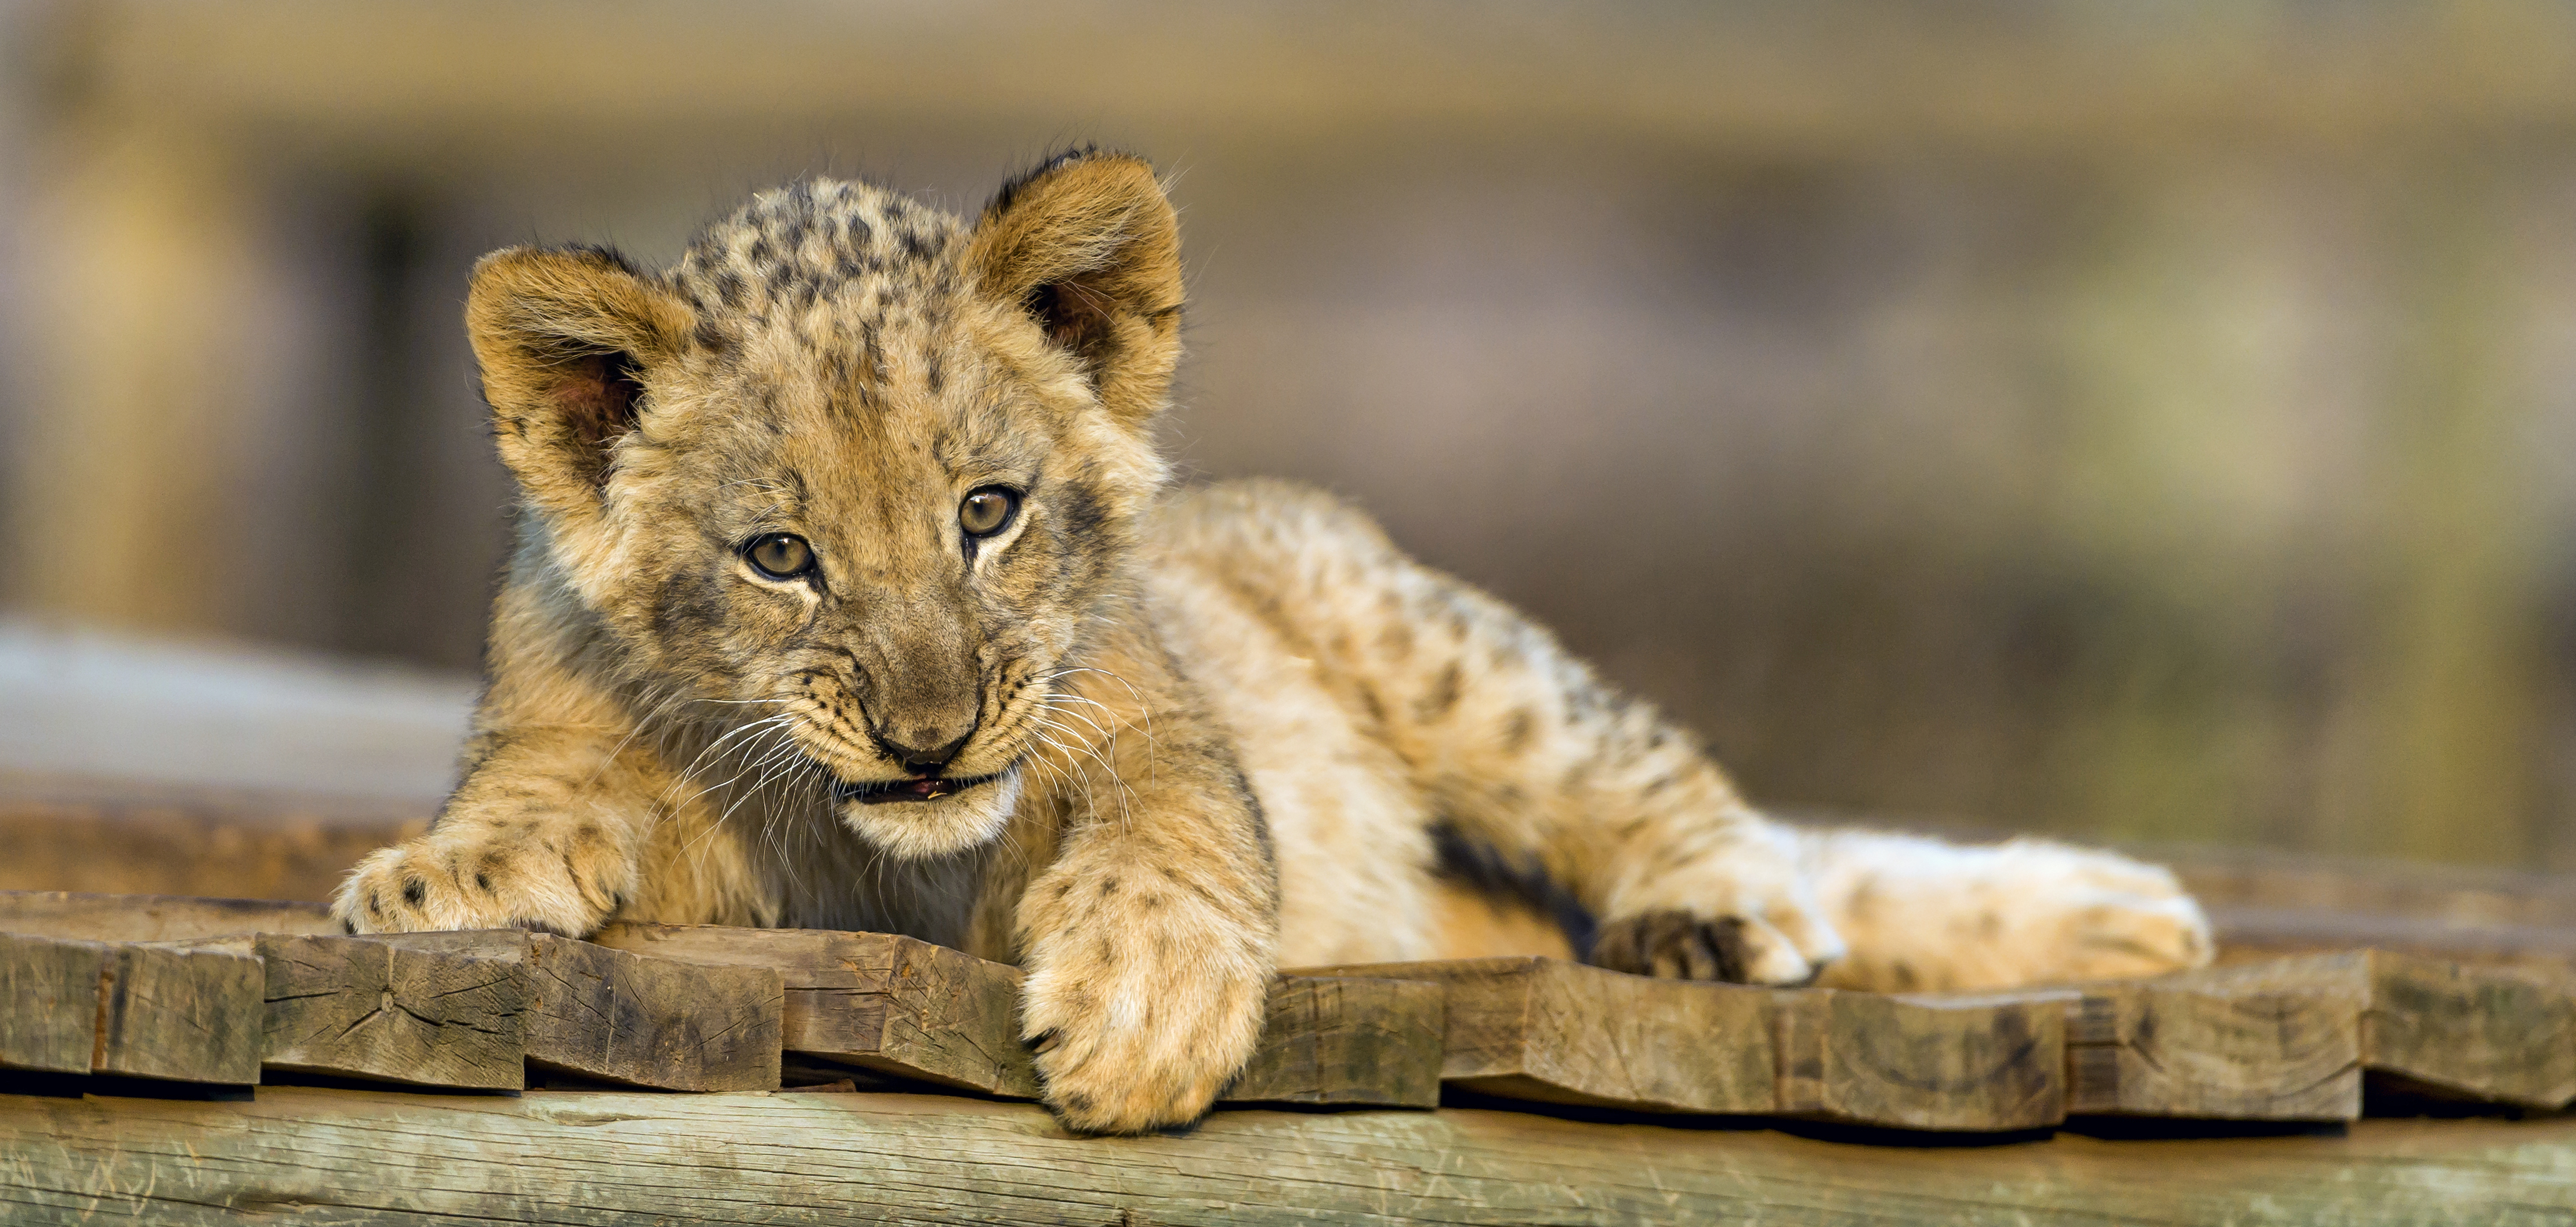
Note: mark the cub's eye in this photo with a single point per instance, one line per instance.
(780, 556)
(988, 511)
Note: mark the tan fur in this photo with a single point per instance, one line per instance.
(1168, 741)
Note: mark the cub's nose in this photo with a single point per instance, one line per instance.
(919, 749)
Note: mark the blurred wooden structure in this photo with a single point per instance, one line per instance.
(2134, 422)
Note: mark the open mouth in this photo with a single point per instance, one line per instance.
(919, 788)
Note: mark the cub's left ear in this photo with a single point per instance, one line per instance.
(1088, 246)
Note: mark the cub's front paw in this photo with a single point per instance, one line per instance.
(476, 876)
(1129, 1044)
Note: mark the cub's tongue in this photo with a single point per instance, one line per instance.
(901, 790)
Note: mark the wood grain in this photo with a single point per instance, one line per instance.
(560, 1158)
(2492, 1034)
(1559, 1032)
(1938, 1063)
(2155, 1048)
(49, 1003)
(615, 1016)
(878, 1001)
(352, 1007)
(184, 1015)
(152, 918)
(1347, 1041)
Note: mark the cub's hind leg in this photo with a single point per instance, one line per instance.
(1512, 744)
(1922, 914)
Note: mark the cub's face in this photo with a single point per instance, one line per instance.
(847, 484)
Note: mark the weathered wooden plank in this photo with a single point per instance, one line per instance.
(353, 1007)
(616, 1016)
(1558, 1032)
(128, 838)
(187, 1015)
(1349, 1041)
(878, 1001)
(49, 1003)
(2493, 1034)
(562, 1158)
(153, 918)
(2247, 934)
(2155, 1048)
(1908, 1062)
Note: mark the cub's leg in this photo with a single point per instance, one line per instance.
(1529, 757)
(563, 820)
(1923, 914)
(1516, 745)
(1148, 922)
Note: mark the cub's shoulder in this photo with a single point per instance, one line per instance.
(1262, 517)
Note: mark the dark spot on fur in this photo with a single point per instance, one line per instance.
(1443, 696)
(1376, 707)
(1474, 863)
(711, 338)
(1082, 510)
(483, 882)
(414, 890)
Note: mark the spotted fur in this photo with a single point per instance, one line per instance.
(1162, 741)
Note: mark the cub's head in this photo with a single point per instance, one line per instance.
(856, 472)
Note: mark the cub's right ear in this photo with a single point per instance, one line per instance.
(568, 341)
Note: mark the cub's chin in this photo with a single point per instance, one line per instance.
(923, 818)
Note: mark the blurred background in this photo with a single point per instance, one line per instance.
(2145, 422)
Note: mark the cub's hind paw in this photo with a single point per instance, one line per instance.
(1676, 945)
(2121, 936)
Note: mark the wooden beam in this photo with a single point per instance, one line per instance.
(184, 1015)
(1906, 1062)
(2155, 1048)
(49, 1003)
(551, 1157)
(615, 1016)
(2492, 1034)
(1559, 1032)
(879, 1001)
(2247, 934)
(353, 1007)
(1347, 1041)
(126, 837)
(154, 918)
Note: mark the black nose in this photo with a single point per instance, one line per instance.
(916, 759)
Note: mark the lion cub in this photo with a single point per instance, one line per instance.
(849, 593)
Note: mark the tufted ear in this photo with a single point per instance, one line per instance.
(568, 341)
(1088, 246)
